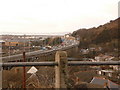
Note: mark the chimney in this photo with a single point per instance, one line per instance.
(16, 70)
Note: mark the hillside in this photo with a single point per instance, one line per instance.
(102, 34)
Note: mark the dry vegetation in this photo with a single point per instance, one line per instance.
(102, 35)
(45, 77)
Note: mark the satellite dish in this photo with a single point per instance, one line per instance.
(32, 70)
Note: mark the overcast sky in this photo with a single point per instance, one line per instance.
(51, 16)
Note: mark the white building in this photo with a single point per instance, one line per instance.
(106, 72)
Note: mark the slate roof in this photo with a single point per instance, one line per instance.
(102, 81)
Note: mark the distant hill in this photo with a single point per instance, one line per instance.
(101, 34)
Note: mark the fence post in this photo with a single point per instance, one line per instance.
(61, 74)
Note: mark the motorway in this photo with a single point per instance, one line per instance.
(67, 44)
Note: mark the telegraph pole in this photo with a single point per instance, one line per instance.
(24, 69)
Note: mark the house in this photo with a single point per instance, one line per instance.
(93, 60)
(109, 58)
(11, 43)
(84, 51)
(115, 67)
(105, 82)
(18, 42)
(67, 35)
(102, 57)
(106, 72)
(1, 53)
(2, 42)
(92, 49)
(33, 81)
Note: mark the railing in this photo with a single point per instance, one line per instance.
(61, 63)
(34, 53)
(70, 63)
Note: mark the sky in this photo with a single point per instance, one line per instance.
(54, 16)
